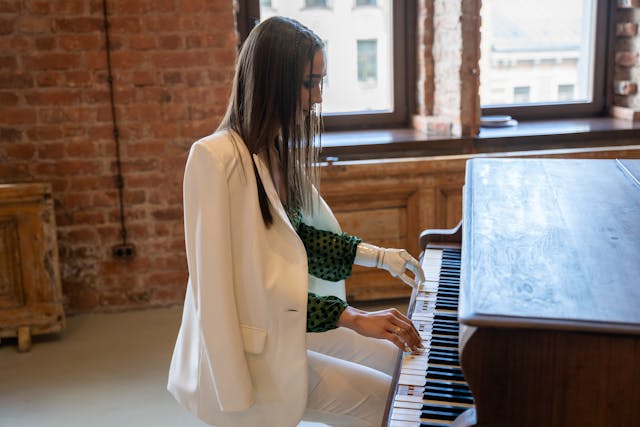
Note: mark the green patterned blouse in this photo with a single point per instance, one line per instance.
(330, 257)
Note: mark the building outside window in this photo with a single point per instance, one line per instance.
(367, 61)
(521, 94)
(360, 63)
(566, 92)
(546, 51)
(366, 2)
(265, 3)
(315, 3)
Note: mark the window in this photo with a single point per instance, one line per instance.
(557, 47)
(265, 3)
(521, 94)
(367, 61)
(368, 68)
(566, 92)
(315, 3)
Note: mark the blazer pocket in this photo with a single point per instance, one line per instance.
(253, 339)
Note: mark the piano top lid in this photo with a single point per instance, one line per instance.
(551, 243)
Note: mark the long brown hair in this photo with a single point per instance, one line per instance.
(265, 107)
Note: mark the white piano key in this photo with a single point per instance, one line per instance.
(408, 398)
(397, 423)
(415, 380)
(416, 372)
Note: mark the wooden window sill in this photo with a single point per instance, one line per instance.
(526, 136)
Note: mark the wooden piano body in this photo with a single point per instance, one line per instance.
(549, 305)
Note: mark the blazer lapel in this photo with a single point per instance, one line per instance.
(272, 194)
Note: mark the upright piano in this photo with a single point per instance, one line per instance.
(531, 308)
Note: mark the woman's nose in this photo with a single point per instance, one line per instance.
(316, 96)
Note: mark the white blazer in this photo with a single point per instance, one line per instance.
(240, 357)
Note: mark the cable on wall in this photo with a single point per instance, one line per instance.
(124, 250)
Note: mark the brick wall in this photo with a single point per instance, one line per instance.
(627, 64)
(172, 64)
(448, 79)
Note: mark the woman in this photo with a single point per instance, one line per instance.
(255, 228)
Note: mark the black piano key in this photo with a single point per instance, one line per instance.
(449, 307)
(444, 331)
(442, 412)
(451, 387)
(452, 354)
(447, 301)
(445, 325)
(462, 395)
(458, 394)
(441, 340)
(447, 397)
(444, 375)
(443, 361)
(447, 317)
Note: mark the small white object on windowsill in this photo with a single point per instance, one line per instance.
(497, 121)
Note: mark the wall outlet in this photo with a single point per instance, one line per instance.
(125, 251)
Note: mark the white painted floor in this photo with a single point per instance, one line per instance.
(104, 370)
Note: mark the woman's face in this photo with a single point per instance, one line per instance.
(312, 81)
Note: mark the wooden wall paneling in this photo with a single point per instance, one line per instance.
(390, 202)
(379, 217)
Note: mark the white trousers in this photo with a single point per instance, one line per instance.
(349, 378)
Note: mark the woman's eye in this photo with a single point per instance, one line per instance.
(307, 84)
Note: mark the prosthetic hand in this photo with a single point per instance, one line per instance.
(395, 261)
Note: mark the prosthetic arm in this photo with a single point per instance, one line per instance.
(395, 261)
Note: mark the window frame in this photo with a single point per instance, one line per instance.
(602, 80)
(404, 64)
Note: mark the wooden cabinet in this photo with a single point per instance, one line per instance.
(30, 291)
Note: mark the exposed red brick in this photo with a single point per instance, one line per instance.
(49, 61)
(49, 78)
(54, 97)
(7, 26)
(45, 43)
(69, 7)
(125, 25)
(34, 24)
(81, 42)
(15, 81)
(14, 116)
(143, 78)
(51, 151)
(18, 44)
(8, 99)
(10, 134)
(10, 6)
(142, 41)
(38, 7)
(56, 126)
(626, 59)
(44, 133)
(170, 42)
(19, 151)
(78, 25)
(79, 78)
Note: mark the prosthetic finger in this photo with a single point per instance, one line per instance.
(413, 265)
(408, 280)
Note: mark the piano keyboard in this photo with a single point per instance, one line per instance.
(431, 389)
